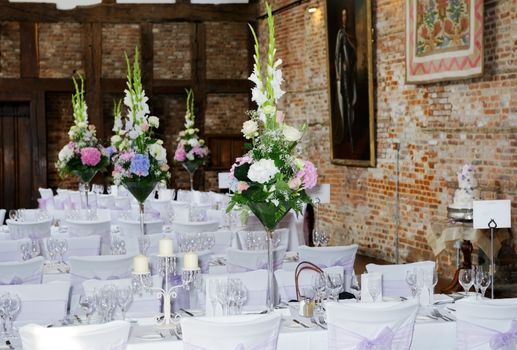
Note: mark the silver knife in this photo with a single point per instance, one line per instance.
(300, 323)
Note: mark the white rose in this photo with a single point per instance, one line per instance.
(154, 121)
(193, 142)
(190, 131)
(262, 171)
(157, 152)
(65, 154)
(133, 134)
(291, 134)
(115, 139)
(250, 129)
(190, 155)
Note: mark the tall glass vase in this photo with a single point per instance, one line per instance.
(85, 176)
(141, 189)
(191, 168)
(269, 215)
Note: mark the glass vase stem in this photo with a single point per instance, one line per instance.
(191, 176)
(142, 227)
(270, 303)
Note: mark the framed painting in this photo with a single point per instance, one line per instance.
(350, 87)
(444, 40)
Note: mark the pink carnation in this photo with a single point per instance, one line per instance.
(90, 156)
(294, 183)
(127, 156)
(308, 175)
(242, 186)
(180, 155)
(239, 161)
(200, 151)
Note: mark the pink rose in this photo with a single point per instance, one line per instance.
(90, 156)
(242, 186)
(294, 183)
(279, 117)
(239, 161)
(164, 167)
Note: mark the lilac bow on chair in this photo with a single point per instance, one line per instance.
(506, 340)
(43, 203)
(381, 342)
(346, 262)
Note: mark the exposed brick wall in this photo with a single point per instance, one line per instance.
(226, 58)
(172, 50)
(117, 39)
(60, 49)
(439, 126)
(225, 113)
(9, 50)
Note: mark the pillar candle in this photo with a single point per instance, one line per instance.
(190, 261)
(140, 264)
(165, 247)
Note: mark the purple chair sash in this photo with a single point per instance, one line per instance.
(235, 268)
(32, 279)
(44, 203)
(346, 262)
(470, 335)
(340, 338)
(269, 344)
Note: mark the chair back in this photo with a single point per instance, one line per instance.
(78, 246)
(35, 230)
(325, 257)
(229, 333)
(40, 303)
(486, 324)
(133, 247)
(2, 216)
(223, 241)
(100, 227)
(251, 260)
(24, 272)
(394, 276)
(386, 325)
(106, 201)
(280, 237)
(131, 228)
(195, 227)
(11, 249)
(108, 336)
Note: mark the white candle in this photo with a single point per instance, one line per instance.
(190, 261)
(140, 264)
(165, 246)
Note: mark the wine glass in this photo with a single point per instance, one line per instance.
(355, 285)
(88, 305)
(212, 294)
(334, 284)
(482, 281)
(35, 248)
(374, 287)
(62, 248)
(466, 279)
(430, 280)
(222, 295)
(412, 282)
(12, 311)
(319, 284)
(13, 214)
(51, 249)
(124, 299)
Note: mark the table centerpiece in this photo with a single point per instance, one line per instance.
(191, 151)
(83, 156)
(139, 159)
(269, 180)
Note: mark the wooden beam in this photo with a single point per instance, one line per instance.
(129, 13)
(227, 86)
(147, 57)
(29, 58)
(93, 66)
(38, 110)
(35, 84)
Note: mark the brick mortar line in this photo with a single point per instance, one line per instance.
(510, 130)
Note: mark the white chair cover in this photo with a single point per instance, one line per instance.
(132, 245)
(251, 260)
(41, 303)
(231, 333)
(166, 194)
(100, 227)
(223, 240)
(330, 256)
(2, 216)
(486, 324)
(216, 215)
(47, 198)
(33, 230)
(78, 246)
(143, 305)
(280, 235)
(181, 211)
(162, 206)
(106, 201)
(195, 227)
(131, 228)
(184, 196)
(122, 203)
(25, 272)
(107, 336)
(394, 276)
(286, 282)
(10, 250)
(255, 282)
(104, 267)
(383, 326)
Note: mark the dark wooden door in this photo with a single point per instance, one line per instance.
(19, 156)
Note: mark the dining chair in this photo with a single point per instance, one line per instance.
(387, 325)
(231, 333)
(280, 237)
(11, 249)
(100, 226)
(131, 227)
(35, 230)
(223, 240)
(325, 257)
(108, 336)
(195, 227)
(250, 260)
(40, 303)
(394, 276)
(24, 272)
(486, 324)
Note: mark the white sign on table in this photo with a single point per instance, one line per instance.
(497, 210)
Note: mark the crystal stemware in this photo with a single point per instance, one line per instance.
(124, 299)
(412, 282)
(88, 305)
(466, 279)
(482, 281)
(334, 284)
(374, 287)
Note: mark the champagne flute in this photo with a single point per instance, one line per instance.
(374, 287)
(411, 280)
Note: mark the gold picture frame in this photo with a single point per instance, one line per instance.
(350, 88)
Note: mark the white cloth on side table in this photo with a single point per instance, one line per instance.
(24, 272)
(239, 332)
(107, 336)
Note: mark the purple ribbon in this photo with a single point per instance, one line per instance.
(32, 279)
(472, 335)
(43, 203)
(381, 342)
(346, 262)
(340, 338)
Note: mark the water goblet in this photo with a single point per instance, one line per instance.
(62, 248)
(88, 305)
(412, 282)
(319, 284)
(430, 279)
(374, 287)
(124, 299)
(466, 279)
(12, 311)
(482, 281)
(334, 284)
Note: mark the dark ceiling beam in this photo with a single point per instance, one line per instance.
(129, 13)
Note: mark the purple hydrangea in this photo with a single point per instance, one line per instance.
(140, 165)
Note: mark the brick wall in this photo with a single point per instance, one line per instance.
(226, 58)
(172, 50)
(9, 50)
(439, 126)
(116, 40)
(60, 49)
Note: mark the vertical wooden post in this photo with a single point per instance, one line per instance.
(93, 72)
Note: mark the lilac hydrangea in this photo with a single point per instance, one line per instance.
(140, 165)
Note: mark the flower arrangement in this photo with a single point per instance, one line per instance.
(139, 159)
(83, 156)
(191, 151)
(269, 179)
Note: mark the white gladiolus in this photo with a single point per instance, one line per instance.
(115, 139)
(153, 121)
(258, 96)
(65, 154)
(157, 152)
(250, 129)
(193, 142)
(133, 134)
(262, 171)
(291, 134)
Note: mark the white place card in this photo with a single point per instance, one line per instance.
(224, 180)
(321, 192)
(497, 210)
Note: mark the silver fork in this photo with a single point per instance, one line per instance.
(437, 313)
